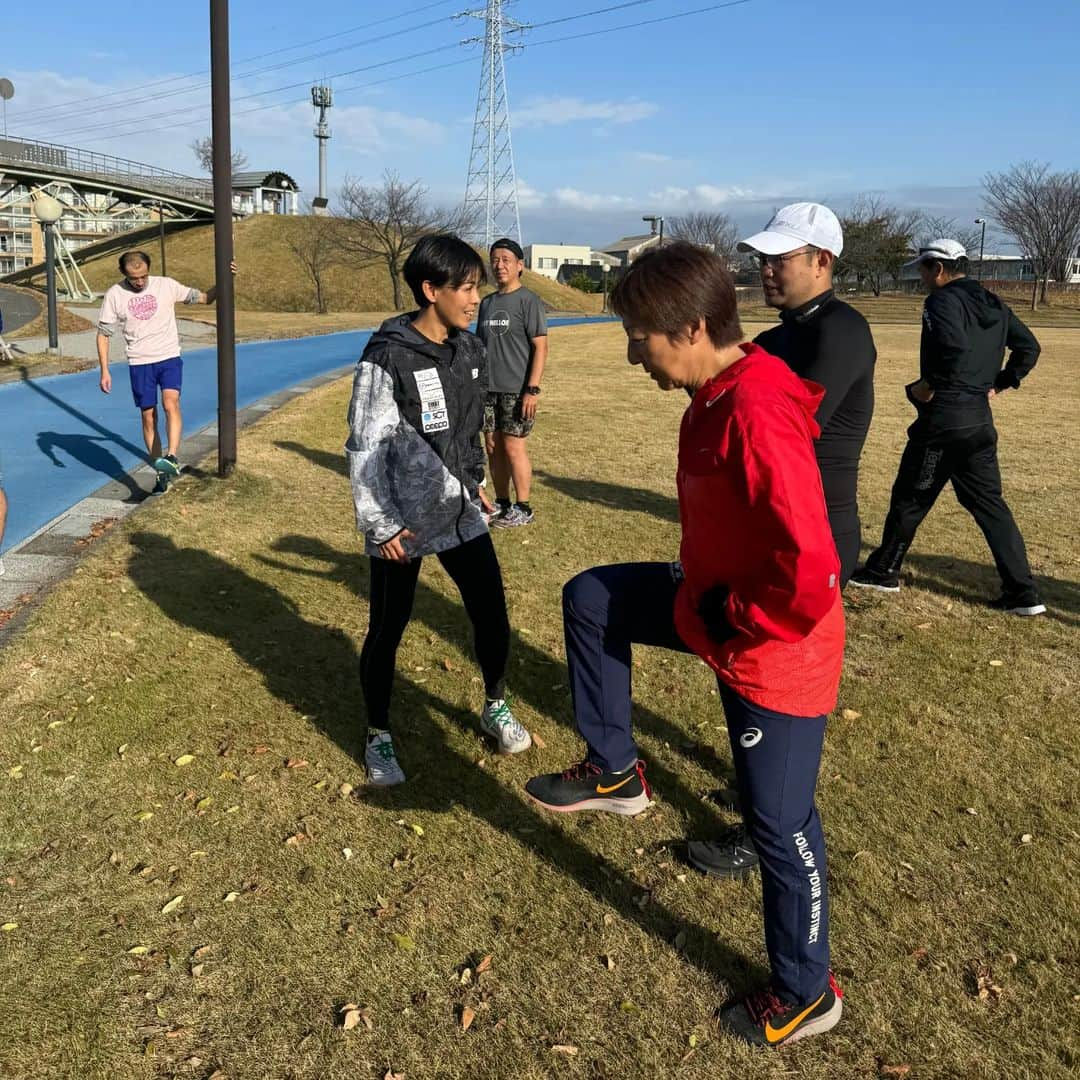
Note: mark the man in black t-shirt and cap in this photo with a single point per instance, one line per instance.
(512, 323)
(823, 339)
(965, 333)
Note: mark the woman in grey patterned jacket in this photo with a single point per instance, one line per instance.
(416, 464)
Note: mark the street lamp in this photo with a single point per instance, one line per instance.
(48, 210)
(982, 243)
(653, 221)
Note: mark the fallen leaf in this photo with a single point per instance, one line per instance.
(232, 809)
(850, 714)
(608, 961)
(230, 898)
(345, 789)
(467, 1017)
(466, 976)
(404, 942)
(295, 763)
(997, 663)
(446, 664)
(418, 829)
(629, 1007)
(15, 772)
(122, 749)
(539, 743)
(390, 1075)
(354, 1015)
(972, 811)
(893, 1070)
(347, 852)
(197, 970)
(138, 950)
(204, 802)
(9, 926)
(173, 904)
(1026, 838)
(692, 1041)
(484, 964)
(923, 626)
(55, 724)
(564, 1048)
(320, 785)
(296, 839)
(200, 952)
(184, 759)
(197, 855)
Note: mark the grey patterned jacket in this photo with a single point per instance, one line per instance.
(414, 450)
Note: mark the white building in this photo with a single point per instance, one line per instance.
(547, 259)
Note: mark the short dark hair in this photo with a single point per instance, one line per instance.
(510, 245)
(668, 289)
(954, 267)
(133, 256)
(443, 259)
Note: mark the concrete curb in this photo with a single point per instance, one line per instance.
(34, 566)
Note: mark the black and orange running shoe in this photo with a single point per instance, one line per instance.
(762, 1019)
(585, 786)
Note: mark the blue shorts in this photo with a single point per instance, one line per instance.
(146, 378)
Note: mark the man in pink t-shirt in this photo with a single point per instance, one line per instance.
(143, 307)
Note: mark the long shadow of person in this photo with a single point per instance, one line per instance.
(334, 462)
(977, 582)
(533, 680)
(90, 451)
(314, 669)
(615, 496)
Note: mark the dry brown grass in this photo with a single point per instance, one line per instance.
(224, 623)
(272, 279)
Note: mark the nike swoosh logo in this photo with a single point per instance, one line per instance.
(773, 1035)
(614, 787)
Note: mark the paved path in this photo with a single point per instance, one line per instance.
(16, 308)
(61, 439)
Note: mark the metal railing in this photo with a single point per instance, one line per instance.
(71, 160)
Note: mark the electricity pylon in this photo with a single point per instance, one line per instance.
(491, 206)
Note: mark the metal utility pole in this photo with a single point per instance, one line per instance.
(223, 243)
(161, 235)
(491, 205)
(982, 244)
(322, 97)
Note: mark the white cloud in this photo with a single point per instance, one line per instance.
(701, 196)
(649, 157)
(572, 199)
(548, 112)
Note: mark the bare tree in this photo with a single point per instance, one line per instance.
(934, 228)
(1041, 210)
(203, 149)
(313, 240)
(877, 242)
(714, 231)
(382, 223)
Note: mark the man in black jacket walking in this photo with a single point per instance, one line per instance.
(966, 330)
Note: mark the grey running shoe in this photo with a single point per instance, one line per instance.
(161, 487)
(512, 518)
(498, 721)
(381, 761)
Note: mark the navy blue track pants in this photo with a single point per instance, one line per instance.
(607, 610)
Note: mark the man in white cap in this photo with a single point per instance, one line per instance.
(823, 339)
(966, 330)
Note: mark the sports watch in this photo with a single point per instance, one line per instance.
(534, 390)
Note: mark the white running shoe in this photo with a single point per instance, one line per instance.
(498, 721)
(381, 761)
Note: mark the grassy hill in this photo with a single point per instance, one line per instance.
(272, 278)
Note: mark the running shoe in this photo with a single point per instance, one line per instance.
(585, 786)
(730, 856)
(762, 1019)
(167, 465)
(381, 761)
(1026, 604)
(498, 721)
(513, 518)
(866, 578)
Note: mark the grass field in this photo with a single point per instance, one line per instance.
(182, 719)
(272, 278)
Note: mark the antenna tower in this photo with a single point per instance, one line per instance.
(491, 205)
(322, 97)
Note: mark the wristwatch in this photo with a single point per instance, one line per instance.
(534, 390)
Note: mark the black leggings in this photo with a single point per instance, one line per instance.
(474, 568)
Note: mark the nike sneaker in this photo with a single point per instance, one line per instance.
(585, 786)
(762, 1019)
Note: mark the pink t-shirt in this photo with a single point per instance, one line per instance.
(148, 318)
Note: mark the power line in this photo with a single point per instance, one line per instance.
(35, 113)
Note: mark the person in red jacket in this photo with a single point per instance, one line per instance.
(756, 595)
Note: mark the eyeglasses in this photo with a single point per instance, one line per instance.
(776, 261)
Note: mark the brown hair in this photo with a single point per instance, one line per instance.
(668, 289)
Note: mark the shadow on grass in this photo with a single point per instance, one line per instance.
(315, 669)
(614, 496)
(334, 462)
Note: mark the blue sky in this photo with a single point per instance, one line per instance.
(739, 109)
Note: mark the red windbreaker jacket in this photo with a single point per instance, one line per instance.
(754, 521)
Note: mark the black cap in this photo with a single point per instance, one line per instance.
(511, 245)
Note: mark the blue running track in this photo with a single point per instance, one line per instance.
(61, 438)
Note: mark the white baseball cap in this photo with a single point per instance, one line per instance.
(794, 226)
(943, 248)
